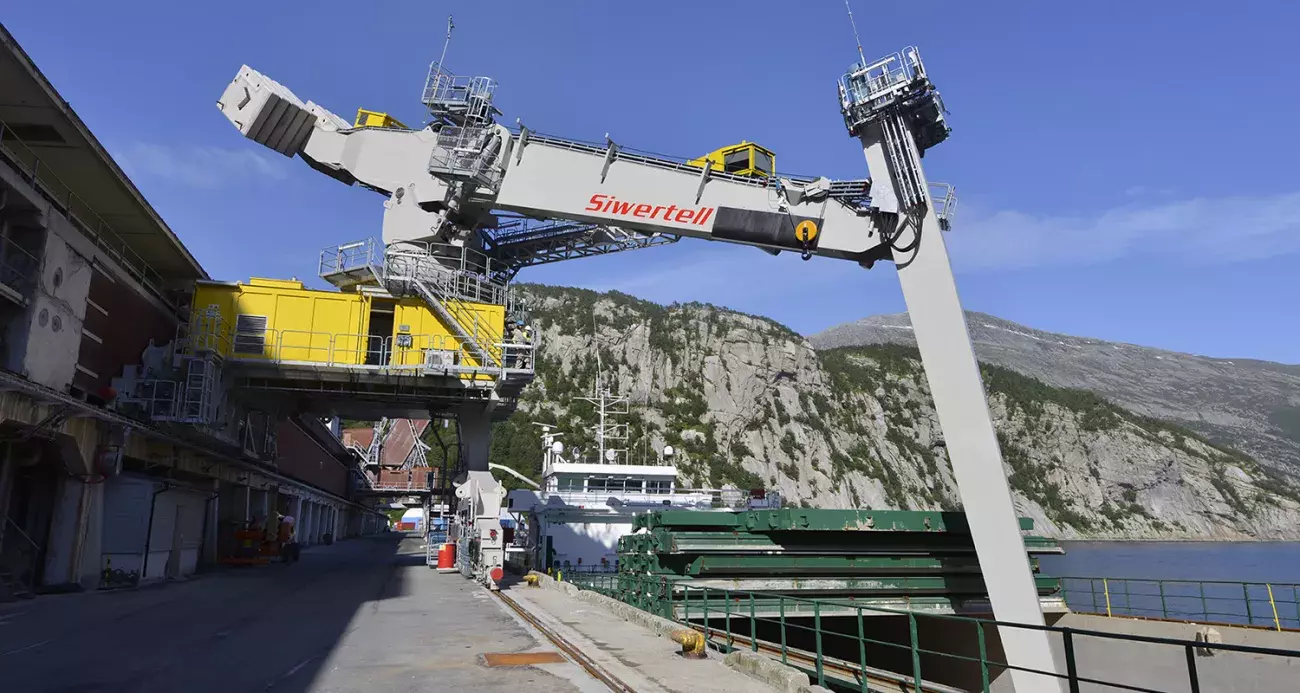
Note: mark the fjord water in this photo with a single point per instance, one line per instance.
(1277, 562)
(1255, 583)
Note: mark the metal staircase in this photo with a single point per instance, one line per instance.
(410, 269)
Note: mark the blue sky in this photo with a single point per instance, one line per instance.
(1125, 169)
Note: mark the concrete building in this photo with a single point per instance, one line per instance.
(94, 291)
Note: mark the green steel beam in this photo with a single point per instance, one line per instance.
(787, 565)
(906, 585)
(800, 519)
(661, 540)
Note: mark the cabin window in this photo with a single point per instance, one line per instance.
(570, 484)
(658, 486)
(634, 486)
(763, 161)
(736, 162)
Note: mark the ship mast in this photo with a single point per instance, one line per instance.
(610, 433)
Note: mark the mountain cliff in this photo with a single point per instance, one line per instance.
(747, 401)
(1251, 405)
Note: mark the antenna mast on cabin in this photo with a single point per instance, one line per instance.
(852, 23)
(451, 26)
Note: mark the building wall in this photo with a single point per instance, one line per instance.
(301, 457)
(106, 349)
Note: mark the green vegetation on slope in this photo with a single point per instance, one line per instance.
(831, 429)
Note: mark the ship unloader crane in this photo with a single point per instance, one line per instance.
(523, 198)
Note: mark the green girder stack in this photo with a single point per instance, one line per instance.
(888, 559)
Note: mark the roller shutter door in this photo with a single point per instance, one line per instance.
(126, 521)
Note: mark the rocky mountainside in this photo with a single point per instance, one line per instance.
(1250, 405)
(749, 402)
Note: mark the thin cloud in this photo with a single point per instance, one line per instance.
(198, 167)
(1195, 231)
(1191, 232)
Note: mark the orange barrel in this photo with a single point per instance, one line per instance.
(447, 556)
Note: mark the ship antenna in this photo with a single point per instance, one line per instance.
(851, 23)
(451, 26)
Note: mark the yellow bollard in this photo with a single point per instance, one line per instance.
(1106, 586)
(1276, 623)
(692, 643)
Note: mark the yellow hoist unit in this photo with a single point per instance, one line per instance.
(744, 159)
(375, 119)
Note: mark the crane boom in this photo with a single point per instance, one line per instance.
(445, 184)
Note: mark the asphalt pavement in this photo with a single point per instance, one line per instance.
(362, 615)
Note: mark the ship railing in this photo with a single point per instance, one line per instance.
(701, 498)
(1271, 605)
(845, 643)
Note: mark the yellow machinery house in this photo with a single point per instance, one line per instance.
(282, 321)
(744, 159)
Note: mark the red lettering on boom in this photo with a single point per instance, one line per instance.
(608, 204)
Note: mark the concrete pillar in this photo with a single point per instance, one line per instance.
(475, 437)
(318, 521)
(295, 511)
(64, 524)
(304, 524)
(211, 523)
(90, 562)
(7, 467)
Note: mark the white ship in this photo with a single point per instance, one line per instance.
(573, 521)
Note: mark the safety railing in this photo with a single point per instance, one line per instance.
(367, 254)
(42, 177)
(516, 357)
(19, 267)
(701, 498)
(872, 84)
(414, 485)
(836, 641)
(661, 161)
(406, 351)
(421, 352)
(457, 99)
(1271, 605)
(159, 398)
(471, 274)
(469, 152)
(943, 197)
(19, 555)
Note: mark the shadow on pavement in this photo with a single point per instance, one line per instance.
(251, 629)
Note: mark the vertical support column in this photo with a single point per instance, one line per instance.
(306, 524)
(211, 537)
(475, 437)
(959, 400)
(295, 511)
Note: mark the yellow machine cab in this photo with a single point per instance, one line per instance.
(744, 159)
